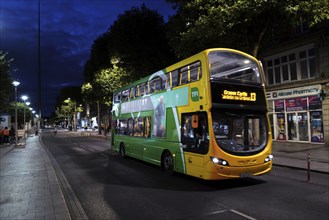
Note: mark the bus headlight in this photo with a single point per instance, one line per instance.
(268, 158)
(219, 161)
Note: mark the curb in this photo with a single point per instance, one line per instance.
(72, 202)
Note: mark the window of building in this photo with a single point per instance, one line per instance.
(298, 64)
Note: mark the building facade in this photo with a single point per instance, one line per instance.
(297, 77)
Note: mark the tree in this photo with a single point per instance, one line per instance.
(99, 57)
(68, 111)
(138, 39)
(242, 24)
(105, 82)
(73, 93)
(6, 88)
(137, 43)
(20, 113)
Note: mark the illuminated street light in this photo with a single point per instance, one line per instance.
(16, 83)
(24, 97)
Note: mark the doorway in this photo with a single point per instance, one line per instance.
(298, 126)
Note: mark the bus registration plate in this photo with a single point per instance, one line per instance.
(244, 175)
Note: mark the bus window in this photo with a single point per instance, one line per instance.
(228, 65)
(137, 92)
(184, 78)
(174, 78)
(155, 85)
(123, 127)
(125, 95)
(239, 133)
(130, 127)
(142, 89)
(117, 98)
(147, 130)
(132, 93)
(195, 139)
(195, 71)
(139, 127)
(168, 81)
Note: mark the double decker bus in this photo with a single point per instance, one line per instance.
(205, 116)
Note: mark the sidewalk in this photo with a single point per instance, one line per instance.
(29, 186)
(32, 185)
(295, 155)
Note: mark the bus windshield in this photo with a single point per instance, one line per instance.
(233, 66)
(239, 133)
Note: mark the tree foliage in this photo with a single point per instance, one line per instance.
(20, 113)
(6, 88)
(68, 108)
(100, 57)
(106, 81)
(240, 24)
(138, 39)
(134, 46)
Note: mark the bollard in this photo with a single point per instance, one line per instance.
(309, 168)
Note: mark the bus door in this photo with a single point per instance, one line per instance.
(195, 141)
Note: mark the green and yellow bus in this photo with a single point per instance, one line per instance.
(205, 116)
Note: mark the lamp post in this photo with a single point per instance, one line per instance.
(16, 83)
(27, 104)
(24, 97)
(32, 115)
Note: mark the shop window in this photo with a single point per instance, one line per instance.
(316, 127)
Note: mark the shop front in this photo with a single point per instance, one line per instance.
(296, 114)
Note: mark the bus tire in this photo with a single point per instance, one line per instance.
(122, 150)
(167, 163)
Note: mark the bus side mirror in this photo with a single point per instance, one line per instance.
(195, 121)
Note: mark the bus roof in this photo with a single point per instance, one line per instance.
(172, 67)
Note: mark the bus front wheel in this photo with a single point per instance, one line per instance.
(168, 163)
(122, 150)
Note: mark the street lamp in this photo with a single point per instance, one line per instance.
(27, 104)
(16, 83)
(24, 97)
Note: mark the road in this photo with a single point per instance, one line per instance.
(109, 187)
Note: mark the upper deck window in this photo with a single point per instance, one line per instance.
(233, 66)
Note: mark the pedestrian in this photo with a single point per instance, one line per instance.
(6, 135)
(12, 134)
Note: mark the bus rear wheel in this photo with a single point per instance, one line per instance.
(122, 150)
(167, 163)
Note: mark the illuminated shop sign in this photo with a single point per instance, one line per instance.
(294, 92)
(239, 95)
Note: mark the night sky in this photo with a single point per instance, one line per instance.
(68, 30)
